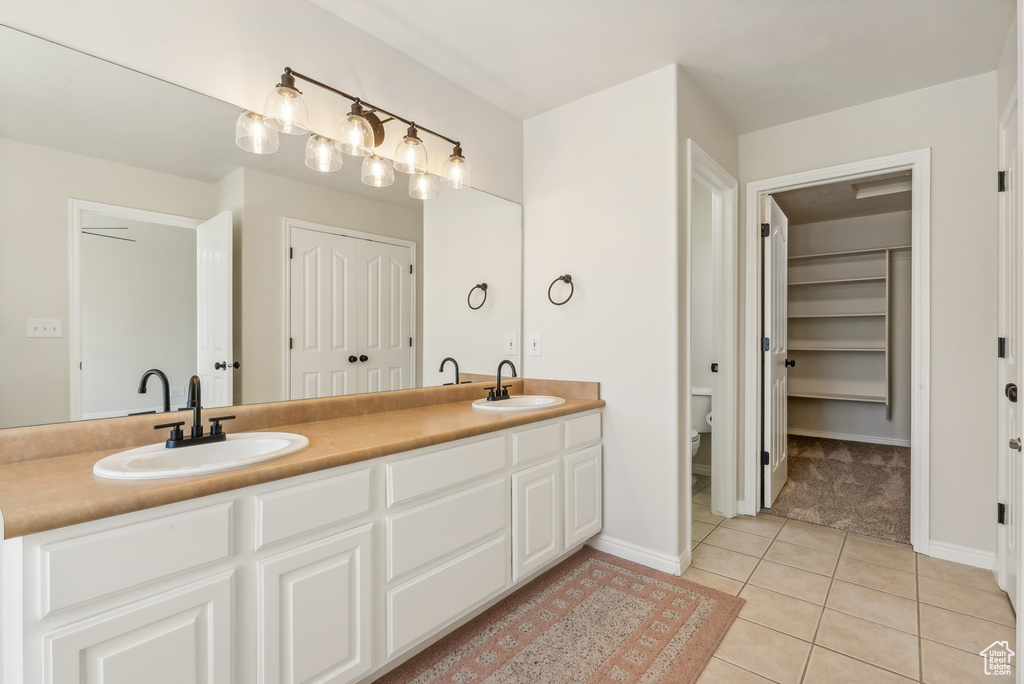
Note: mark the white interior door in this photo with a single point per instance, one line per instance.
(323, 315)
(1010, 267)
(384, 317)
(213, 307)
(774, 421)
(350, 315)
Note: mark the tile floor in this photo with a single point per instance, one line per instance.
(827, 606)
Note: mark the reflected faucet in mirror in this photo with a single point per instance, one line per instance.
(492, 392)
(456, 363)
(163, 381)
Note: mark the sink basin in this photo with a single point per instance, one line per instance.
(237, 451)
(519, 402)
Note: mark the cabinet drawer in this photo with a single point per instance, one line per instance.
(433, 530)
(580, 432)
(536, 443)
(292, 511)
(83, 568)
(430, 601)
(432, 472)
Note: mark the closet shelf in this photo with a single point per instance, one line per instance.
(877, 350)
(851, 252)
(840, 281)
(838, 315)
(866, 398)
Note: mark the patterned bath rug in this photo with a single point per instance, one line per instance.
(593, 618)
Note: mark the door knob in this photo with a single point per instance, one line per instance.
(1015, 444)
(364, 357)
(220, 365)
(1011, 392)
(236, 365)
(352, 359)
(791, 363)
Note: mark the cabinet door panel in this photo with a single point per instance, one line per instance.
(582, 495)
(314, 612)
(179, 637)
(537, 517)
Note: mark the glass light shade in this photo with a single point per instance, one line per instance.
(422, 186)
(321, 155)
(356, 136)
(411, 155)
(253, 134)
(377, 172)
(286, 112)
(456, 172)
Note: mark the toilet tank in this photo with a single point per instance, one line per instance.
(700, 407)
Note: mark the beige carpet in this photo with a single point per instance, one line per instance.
(593, 618)
(852, 486)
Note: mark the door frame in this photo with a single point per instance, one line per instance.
(289, 223)
(75, 210)
(724, 189)
(1009, 218)
(919, 163)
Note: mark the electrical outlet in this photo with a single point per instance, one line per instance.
(511, 346)
(45, 327)
(534, 344)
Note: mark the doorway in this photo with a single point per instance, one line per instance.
(148, 290)
(710, 406)
(755, 473)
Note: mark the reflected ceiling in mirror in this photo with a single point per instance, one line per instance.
(75, 127)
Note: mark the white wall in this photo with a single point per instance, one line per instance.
(850, 419)
(268, 201)
(591, 214)
(35, 186)
(470, 238)
(138, 312)
(957, 121)
(236, 50)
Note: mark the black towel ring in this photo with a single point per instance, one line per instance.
(483, 288)
(565, 279)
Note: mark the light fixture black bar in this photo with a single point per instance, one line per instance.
(407, 122)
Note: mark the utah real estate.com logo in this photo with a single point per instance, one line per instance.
(998, 659)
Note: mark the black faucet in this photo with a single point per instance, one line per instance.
(195, 403)
(441, 369)
(492, 393)
(163, 379)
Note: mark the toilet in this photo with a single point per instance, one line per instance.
(700, 416)
(694, 446)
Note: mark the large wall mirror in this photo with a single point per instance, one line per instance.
(123, 200)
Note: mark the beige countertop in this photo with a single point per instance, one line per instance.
(52, 492)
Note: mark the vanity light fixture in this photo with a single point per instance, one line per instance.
(360, 132)
(253, 134)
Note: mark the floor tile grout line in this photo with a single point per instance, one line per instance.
(920, 635)
(824, 604)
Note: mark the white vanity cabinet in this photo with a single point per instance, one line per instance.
(556, 485)
(330, 576)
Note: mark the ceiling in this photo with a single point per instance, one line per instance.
(760, 62)
(835, 201)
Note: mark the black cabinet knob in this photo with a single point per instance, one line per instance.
(352, 359)
(1011, 392)
(364, 357)
(220, 365)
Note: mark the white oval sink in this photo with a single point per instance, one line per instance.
(237, 451)
(519, 402)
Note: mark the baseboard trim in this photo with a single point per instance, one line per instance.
(867, 439)
(962, 554)
(638, 554)
(700, 469)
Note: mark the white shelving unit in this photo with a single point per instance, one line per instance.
(839, 325)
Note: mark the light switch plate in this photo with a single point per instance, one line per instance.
(511, 345)
(534, 344)
(45, 327)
